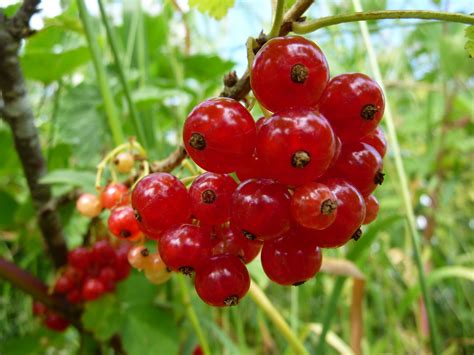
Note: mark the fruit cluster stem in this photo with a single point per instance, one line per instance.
(311, 26)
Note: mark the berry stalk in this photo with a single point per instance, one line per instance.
(264, 303)
(311, 26)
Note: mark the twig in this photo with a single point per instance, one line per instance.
(171, 162)
(18, 113)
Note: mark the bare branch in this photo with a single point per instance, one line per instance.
(18, 113)
(19, 25)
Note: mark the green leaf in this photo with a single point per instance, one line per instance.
(34, 63)
(136, 290)
(8, 206)
(214, 8)
(149, 330)
(26, 345)
(10, 10)
(103, 317)
(84, 179)
(206, 67)
(469, 46)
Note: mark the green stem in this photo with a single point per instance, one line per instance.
(97, 59)
(294, 309)
(264, 303)
(403, 180)
(311, 26)
(278, 19)
(192, 315)
(120, 69)
(330, 310)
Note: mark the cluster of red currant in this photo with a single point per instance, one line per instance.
(89, 274)
(306, 176)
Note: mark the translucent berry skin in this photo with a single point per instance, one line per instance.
(377, 140)
(354, 104)
(313, 205)
(296, 145)
(273, 73)
(156, 271)
(160, 200)
(55, 322)
(218, 134)
(372, 209)
(124, 162)
(123, 225)
(233, 242)
(350, 215)
(184, 247)
(361, 165)
(222, 281)
(211, 196)
(291, 259)
(89, 205)
(139, 257)
(92, 289)
(261, 209)
(114, 195)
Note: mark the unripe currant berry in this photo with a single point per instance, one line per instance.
(139, 257)
(156, 270)
(89, 205)
(124, 162)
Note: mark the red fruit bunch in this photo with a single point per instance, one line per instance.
(305, 176)
(90, 273)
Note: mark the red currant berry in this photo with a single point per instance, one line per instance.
(218, 134)
(372, 209)
(350, 215)
(211, 196)
(92, 289)
(377, 140)
(361, 165)
(63, 284)
(79, 258)
(74, 296)
(185, 247)
(313, 205)
(235, 243)
(222, 280)
(139, 257)
(296, 145)
(123, 225)
(197, 350)
(89, 205)
(291, 259)
(39, 309)
(55, 322)
(122, 269)
(114, 195)
(124, 162)
(103, 253)
(160, 200)
(108, 276)
(289, 72)
(354, 104)
(261, 209)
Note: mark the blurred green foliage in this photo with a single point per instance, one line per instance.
(430, 81)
